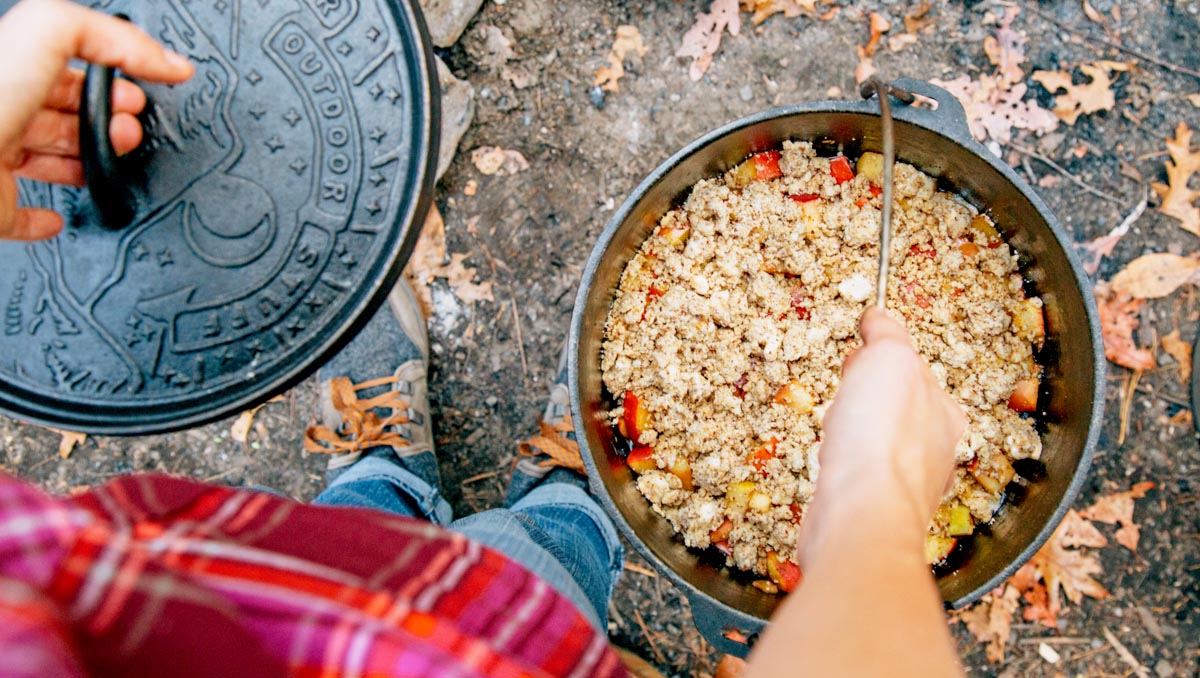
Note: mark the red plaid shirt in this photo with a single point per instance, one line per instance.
(151, 575)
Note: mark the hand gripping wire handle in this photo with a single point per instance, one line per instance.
(107, 180)
(873, 86)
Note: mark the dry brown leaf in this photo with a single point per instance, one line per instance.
(628, 44)
(1181, 351)
(1117, 509)
(1094, 251)
(1118, 320)
(1153, 276)
(1054, 571)
(491, 160)
(1193, 99)
(1006, 50)
(1177, 198)
(919, 18)
(877, 25)
(990, 620)
(240, 431)
(899, 42)
(1077, 531)
(461, 279)
(765, 9)
(427, 258)
(703, 39)
(1092, 13)
(994, 111)
(1083, 99)
(69, 441)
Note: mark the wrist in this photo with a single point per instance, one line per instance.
(874, 509)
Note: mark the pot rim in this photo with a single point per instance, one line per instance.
(948, 122)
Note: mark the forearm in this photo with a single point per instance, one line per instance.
(868, 606)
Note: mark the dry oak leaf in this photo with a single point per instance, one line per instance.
(491, 160)
(1181, 351)
(1118, 320)
(1193, 99)
(427, 263)
(1177, 198)
(1054, 571)
(1083, 99)
(765, 9)
(1117, 509)
(240, 431)
(993, 110)
(1153, 276)
(990, 620)
(919, 18)
(703, 39)
(1077, 531)
(628, 43)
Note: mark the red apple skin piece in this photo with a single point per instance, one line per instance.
(1024, 396)
(804, 197)
(786, 574)
(641, 459)
(721, 534)
(840, 168)
(635, 418)
(766, 165)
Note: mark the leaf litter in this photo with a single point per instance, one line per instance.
(428, 263)
(1118, 320)
(491, 160)
(628, 44)
(1117, 509)
(765, 9)
(1181, 351)
(995, 103)
(1153, 276)
(1178, 200)
(703, 39)
(1083, 99)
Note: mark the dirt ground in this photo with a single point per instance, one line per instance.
(534, 230)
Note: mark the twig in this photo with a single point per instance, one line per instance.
(1059, 168)
(1125, 654)
(1053, 640)
(1126, 404)
(481, 476)
(640, 570)
(649, 637)
(1115, 45)
(1173, 399)
(520, 341)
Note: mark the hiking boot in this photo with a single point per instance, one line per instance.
(553, 454)
(374, 393)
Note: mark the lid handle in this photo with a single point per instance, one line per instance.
(101, 166)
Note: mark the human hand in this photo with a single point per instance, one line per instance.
(39, 122)
(889, 437)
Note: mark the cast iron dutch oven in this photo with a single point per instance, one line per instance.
(939, 143)
(270, 209)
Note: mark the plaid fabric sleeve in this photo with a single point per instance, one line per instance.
(34, 638)
(162, 576)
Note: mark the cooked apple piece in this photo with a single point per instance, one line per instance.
(722, 532)
(765, 586)
(995, 475)
(676, 236)
(937, 548)
(1029, 321)
(793, 395)
(870, 165)
(969, 249)
(983, 226)
(764, 454)
(738, 494)
(786, 574)
(681, 469)
(1024, 396)
(635, 419)
(960, 521)
(641, 459)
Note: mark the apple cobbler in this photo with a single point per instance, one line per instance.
(725, 342)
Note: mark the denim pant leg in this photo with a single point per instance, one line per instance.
(560, 533)
(379, 484)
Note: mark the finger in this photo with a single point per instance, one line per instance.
(125, 132)
(876, 325)
(67, 94)
(32, 224)
(52, 132)
(101, 39)
(52, 169)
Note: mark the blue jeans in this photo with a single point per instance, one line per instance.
(550, 526)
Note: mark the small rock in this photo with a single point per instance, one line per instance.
(458, 110)
(490, 47)
(1164, 669)
(596, 95)
(746, 93)
(491, 401)
(447, 19)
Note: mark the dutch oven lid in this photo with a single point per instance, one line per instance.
(272, 205)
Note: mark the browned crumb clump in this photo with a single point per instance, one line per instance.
(731, 323)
